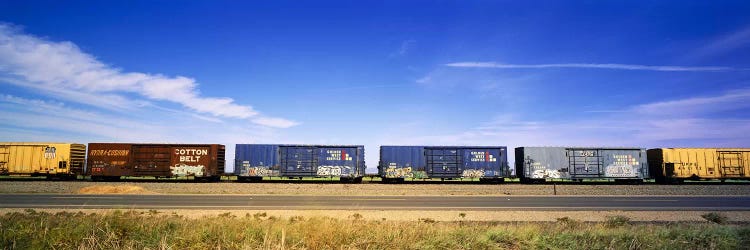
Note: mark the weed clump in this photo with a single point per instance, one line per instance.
(259, 216)
(568, 222)
(617, 221)
(296, 219)
(715, 218)
(427, 220)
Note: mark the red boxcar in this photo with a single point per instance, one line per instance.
(110, 161)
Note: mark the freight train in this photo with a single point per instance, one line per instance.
(253, 162)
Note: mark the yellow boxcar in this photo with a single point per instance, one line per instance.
(678, 164)
(65, 160)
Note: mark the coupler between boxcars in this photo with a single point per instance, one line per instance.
(104, 178)
(216, 178)
(61, 177)
(629, 181)
(492, 180)
(249, 178)
(391, 180)
(350, 180)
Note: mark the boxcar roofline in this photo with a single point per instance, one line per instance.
(304, 145)
(154, 144)
(584, 147)
(444, 146)
(726, 148)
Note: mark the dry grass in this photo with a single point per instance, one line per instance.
(113, 189)
(444, 216)
(156, 230)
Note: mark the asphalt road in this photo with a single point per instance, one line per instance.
(468, 203)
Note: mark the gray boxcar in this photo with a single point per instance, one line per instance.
(537, 164)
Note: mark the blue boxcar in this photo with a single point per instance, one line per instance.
(536, 164)
(445, 162)
(255, 161)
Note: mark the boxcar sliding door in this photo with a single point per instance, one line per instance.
(298, 161)
(443, 162)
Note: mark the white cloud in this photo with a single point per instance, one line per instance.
(26, 119)
(586, 66)
(61, 69)
(40, 115)
(424, 79)
(274, 122)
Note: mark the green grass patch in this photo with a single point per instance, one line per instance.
(158, 230)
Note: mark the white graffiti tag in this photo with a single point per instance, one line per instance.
(332, 170)
(187, 170)
(546, 173)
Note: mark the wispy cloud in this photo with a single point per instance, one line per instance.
(273, 122)
(739, 38)
(404, 48)
(63, 70)
(424, 79)
(689, 122)
(48, 115)
(28, 119)
(696, 106)
(587, 66)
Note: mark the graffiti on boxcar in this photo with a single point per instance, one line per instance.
(394, 172)
(407, 172)
(620, 171)
(261, 171)
(50, 152)
(546, 173)
(333, 170)
(472, 173)
(182, 169)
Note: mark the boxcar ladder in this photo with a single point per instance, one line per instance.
(731, 164)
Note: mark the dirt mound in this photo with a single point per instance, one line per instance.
(110, 189)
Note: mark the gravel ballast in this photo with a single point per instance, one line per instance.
(374, 189)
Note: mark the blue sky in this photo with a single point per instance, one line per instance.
(513, 73)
